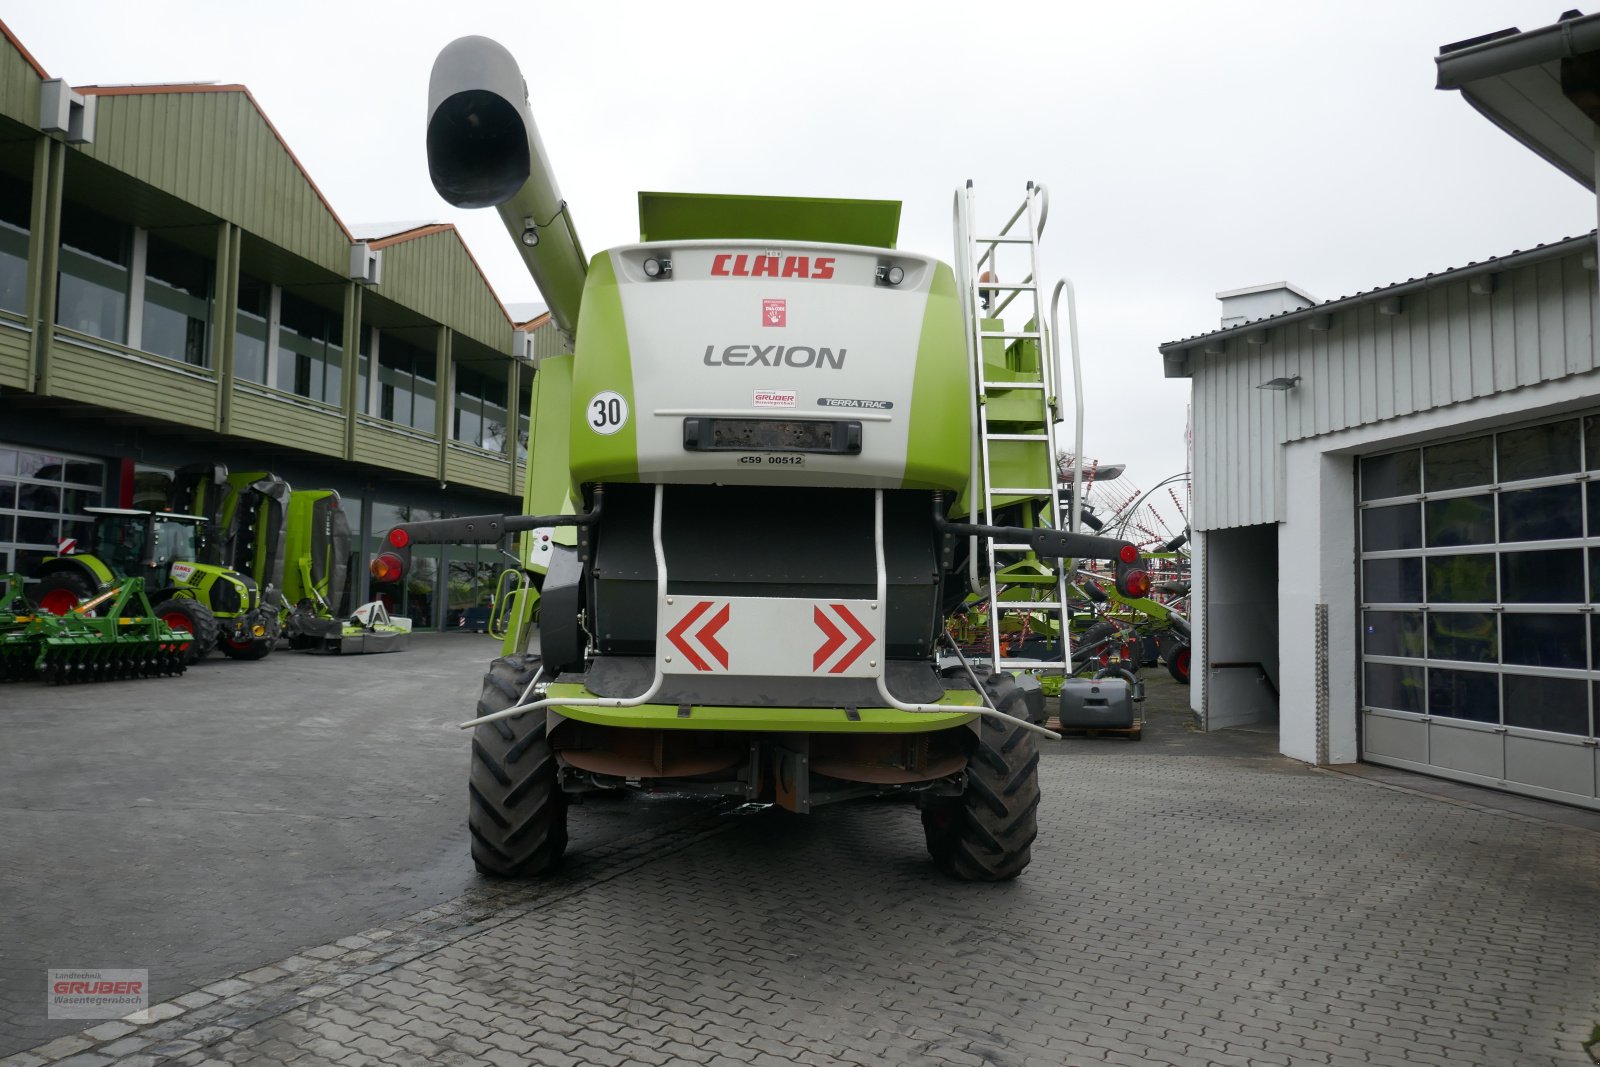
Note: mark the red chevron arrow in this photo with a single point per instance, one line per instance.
(708, 635)
(861, 646)
(831, 645)
(675, 635)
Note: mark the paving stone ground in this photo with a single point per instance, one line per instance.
(1187, 904)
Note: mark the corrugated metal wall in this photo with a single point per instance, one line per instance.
(215, 150)
(19, 86)
(427, 273)
(1445, 345)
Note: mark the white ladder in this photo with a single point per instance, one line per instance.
(980, 252)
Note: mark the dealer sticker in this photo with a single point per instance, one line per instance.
(774, 398)
(859, 405)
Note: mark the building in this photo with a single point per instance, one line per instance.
(175, 289)
(1397, 533)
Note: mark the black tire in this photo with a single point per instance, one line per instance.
(259, 648)
(1088, 639)
(517, 813)
(986, 834)
(1177, 659)
(182, 613)
(62, 584)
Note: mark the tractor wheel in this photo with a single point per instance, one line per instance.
(255, 648)
(517, 813)
(61, 591)
(986, 834)
(1177, 657)
(181, 613)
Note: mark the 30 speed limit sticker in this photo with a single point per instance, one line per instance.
(607, 412)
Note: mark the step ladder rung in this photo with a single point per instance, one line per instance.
(1016, 437)
(1026, 605)
(1013, 491)
(1010, 335)
(1010, 287)
(1037, 664)
(1013, 385)
(1003, 239)
(998, 547)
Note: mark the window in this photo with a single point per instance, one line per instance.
(92, 292)
(480, 409)
(250, 332)
(15, 209)
(407, 391)
(364, 371)
(42, 497)
(177, 302)
(309, 349)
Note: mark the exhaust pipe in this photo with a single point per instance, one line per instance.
(484, 151)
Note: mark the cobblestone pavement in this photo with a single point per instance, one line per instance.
(210, 824)
(1185, 906)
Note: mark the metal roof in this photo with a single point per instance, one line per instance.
(1525, 83)
(1515, 258)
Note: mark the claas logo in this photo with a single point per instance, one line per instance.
(728, 265)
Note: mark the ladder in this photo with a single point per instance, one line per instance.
(1015, 376)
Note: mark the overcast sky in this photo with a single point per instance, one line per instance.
(1188, 147)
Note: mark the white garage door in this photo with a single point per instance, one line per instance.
(1480, 569)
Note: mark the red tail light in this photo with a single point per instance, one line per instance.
(1128, 554)
(1133, 583)
(399, 538)
(388, 567)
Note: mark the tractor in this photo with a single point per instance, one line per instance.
(776, 456)
(218, 606)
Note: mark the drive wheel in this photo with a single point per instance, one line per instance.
(257, 648)
(517, 813)
(61, 591)
(986, 834)
(182, 613)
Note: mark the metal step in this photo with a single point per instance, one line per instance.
(1026, 605)
(1004, 239)
(1009, 491)
(1013, 385)
(1018, 437)
(1033, 664)
(1011, 335)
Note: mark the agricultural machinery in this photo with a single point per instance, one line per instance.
(114, 635)
(777, 455)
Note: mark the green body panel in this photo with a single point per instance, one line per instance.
(603, 362)
(692, 216)
(769, 720)
(545, 485)
(95, 568)
(202, 585)
(412, 269)
(298, 547)
(939, 409)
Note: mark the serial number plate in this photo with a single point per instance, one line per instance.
(711, 434)
(773, 461)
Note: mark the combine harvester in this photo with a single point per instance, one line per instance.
(777, 456)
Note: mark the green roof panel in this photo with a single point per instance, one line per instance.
(696, 216)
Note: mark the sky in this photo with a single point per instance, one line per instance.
(1188, 148)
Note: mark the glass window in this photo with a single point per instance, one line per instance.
(250, 334)
(309, 349)
(1560, 705)
(1393, 633)
(177, 302)
(1461, 520)
(1397, 474)
(92, 289)
(1458, 464)
(1550, 577)
(1391, 581)
(1391, 685)
(1465, 579)
(1473, 695)
(1539, 451)
(1546, 514)
(364, 369)
(406, 386)
(1545, 640)
(16, 209)
(1385, 529)
(1591, 442)
(1463, 635)
(522, 433)
(480, 409)
(425, 396)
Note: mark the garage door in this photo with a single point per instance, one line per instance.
(1480, 569)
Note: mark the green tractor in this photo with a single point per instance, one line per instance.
(218, 606)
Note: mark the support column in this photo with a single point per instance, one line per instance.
(352, 365)
(513, 411)
(44, 256)
(225, 319)
(445, 397)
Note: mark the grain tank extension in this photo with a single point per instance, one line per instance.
(754, 496)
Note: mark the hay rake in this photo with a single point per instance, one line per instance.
(115, 635)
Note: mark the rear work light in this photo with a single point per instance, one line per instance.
(399, 538)
(1133, 583)
(387, 567)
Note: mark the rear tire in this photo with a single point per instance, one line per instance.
(260, 648)
(986, 834)
(517, 813)
(61, 591)
(182, 613)
(1177, 658)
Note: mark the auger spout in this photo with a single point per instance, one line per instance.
(484, 151)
